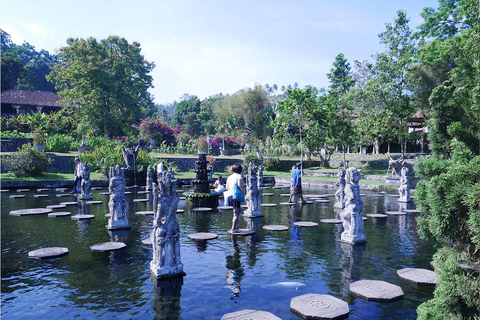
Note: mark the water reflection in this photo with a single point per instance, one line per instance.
(235, 270)
(252, 240)
(350, 266)
(295, 215)
(167, 294)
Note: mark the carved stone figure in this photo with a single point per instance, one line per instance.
(210, 171)
(118, 202)
(253, 195)
(260, 177)
(397, 165)
(404, 189)
(165, 236)
(86, 182)
(340, 194)
(149, 178)
(352, 213)
(129, 156)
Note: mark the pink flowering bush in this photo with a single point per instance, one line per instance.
(159, 130)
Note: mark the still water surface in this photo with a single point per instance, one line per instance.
(264, 271)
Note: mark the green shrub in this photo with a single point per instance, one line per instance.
(273, 164)
(39, 137)
(27, 161)
(251, 157)
(58, 143)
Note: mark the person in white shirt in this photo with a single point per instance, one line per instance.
(160, 170)
(235, 179)
(78, 176)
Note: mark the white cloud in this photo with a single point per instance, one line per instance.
(15, 35)
(39, 29)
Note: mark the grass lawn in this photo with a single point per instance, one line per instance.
(50, 176)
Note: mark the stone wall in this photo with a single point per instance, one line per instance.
(13, 144)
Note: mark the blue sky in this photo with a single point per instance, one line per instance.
(203, 47)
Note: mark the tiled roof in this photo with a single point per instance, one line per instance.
(31, 98)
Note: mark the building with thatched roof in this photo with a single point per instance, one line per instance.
(17, 101)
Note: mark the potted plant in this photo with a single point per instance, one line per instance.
(39, 140)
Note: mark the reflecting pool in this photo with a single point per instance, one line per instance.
(264, 271)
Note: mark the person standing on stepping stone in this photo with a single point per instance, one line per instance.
(235, 179)
(160, 170)
(296, 189)
(78, 176)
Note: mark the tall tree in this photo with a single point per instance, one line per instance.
(339, 108)
(186, 106)
(108, 79)
(12, 71)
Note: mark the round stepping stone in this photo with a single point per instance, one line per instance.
(418, 276)
(4, 190)
(96, 188)
(268, 204)
(93, 202)
(104, 193)
(242, 232)
(71, 203)
(394, 195)
(275, 227)
(332, 221)
(411, 211)
(59, 214)
(363, 194)
(278, 187)
(396, 213)
(364, 218)
(180, 211)
(249, 314)
(319, 306)
(107, 246)
(243, 206)
(127, 192)
(51, 252)
(284, 194)
(29, 212)
(202, 209)
(202, 236)
(56, 206)
(40, 195)
(108, 215)
(322, 201)
(305, 202)
(60, 189)
(224, 208)
(23, 190)
(305, 224)
(311, 196)
(17, 196)
(268, 194)
(143, 192)
(144, 213)
(377, 215)
(64, 195)
(83, 217)
(287, 203)
(375, 290)
(147, 241)
(130, 187)
(181, 198)
(140, 200)
(43, 190)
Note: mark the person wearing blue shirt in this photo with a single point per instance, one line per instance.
(296, 189)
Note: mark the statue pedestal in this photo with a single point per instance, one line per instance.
(117, 225)
(353, 238)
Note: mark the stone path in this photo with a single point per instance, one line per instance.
(16, 196)
(40, 195)
(96, 188)
(268, 204)
(143, 192)
(64, 195)
(305, 202)
(418, 276)
(274, 227)
(23, 190)
(305, 224)
(287, 203)
(268, 194)
(59, 214)
(104, 193)
(242, 232)
(319, 306)
(249, 314)
(202, 236)
(56, 206)
(396, 213)
(107, 246)
(71, 203)
(140, 200)
(376, 215)
(94, 202)
(83, 217)
(332, 221)
(29, 212)
(43, 190)
(144, 213)
(224, 208)
(375, 290)
(411, 211)
(323, 201)
(48, 252)
(202, 209)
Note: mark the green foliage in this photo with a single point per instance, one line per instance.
(192, 104)
(39, 137)
(108, 79)
(27, 161)
(456, 295)
(251, 157)
(12, 70)
(273, 163)
(103, 157)
(58, 143)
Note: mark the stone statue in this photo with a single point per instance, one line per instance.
(397, 165)
(149, 178)
(118, 202)
(340, 194)
(253, 195)
(404, 189)
(352, 213)
(129, 156)
(85, 182)
(210, 171)
(165, 236)
(260, 177)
